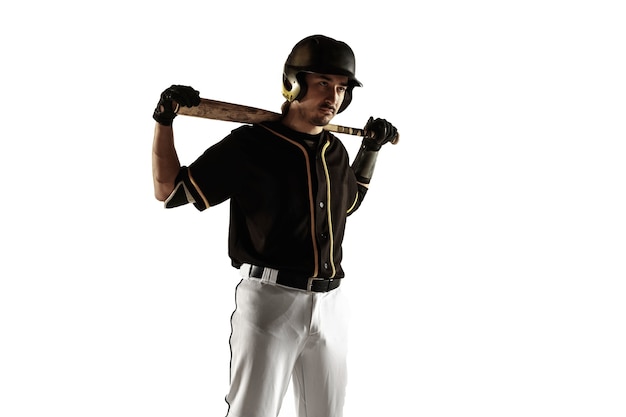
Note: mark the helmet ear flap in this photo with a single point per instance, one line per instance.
(294, 87)
(290, 88)
(301, 86)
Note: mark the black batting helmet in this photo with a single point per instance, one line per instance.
(323, 55)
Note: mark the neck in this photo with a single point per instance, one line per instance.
(294, 122)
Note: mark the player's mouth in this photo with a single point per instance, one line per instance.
(329, 110)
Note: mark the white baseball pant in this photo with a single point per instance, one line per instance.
(279, 333)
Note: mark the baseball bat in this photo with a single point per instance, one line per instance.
(230, 112)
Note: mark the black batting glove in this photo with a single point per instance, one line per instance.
(171, 98)
(377, 133)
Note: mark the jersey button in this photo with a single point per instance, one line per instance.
(321, 204)
(326, 266)
(324, 236)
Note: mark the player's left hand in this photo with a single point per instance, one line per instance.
(378, 132)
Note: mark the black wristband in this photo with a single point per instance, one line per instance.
(164, 118)
(370, 145)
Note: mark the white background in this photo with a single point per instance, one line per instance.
(486, 268)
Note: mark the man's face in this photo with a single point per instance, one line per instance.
(323, 98)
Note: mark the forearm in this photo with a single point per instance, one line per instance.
(363, 167)
(364, 164)
(165, 163)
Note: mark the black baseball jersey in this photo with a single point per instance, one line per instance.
(290, 194)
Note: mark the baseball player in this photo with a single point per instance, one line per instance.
(291, 188)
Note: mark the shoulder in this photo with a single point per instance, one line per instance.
(242, 137)
(243, 132)
(248, 132)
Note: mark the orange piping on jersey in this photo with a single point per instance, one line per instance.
(206, 202)
(311, 205)
(328, 206)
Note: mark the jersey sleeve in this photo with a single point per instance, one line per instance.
(359, 195)
(186, 191)
(213, 177)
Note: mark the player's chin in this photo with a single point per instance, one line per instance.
(322, 121)
(325, 117)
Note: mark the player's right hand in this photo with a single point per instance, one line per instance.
(171, 98)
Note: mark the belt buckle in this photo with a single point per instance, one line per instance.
(309, 285)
